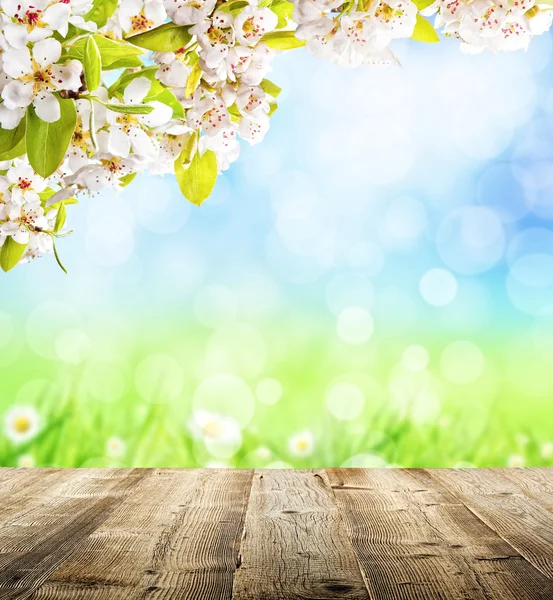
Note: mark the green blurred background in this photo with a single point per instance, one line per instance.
(371, 286)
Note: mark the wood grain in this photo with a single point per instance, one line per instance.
(175, 537)
(415, 540)
(50, 527)
(294, 543)
(361, 534)
(515, 506)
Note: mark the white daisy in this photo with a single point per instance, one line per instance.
(21, 423)
(302, 443)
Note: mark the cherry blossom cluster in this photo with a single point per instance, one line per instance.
(23, 217)
(353, 33)
(121, 87)
(93, 92)
(502, 25)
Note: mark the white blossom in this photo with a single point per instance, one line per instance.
(34, 20)
(21, 423)
(35, 76)
(252, 23)
(138, 16)
(302, 444)
(189, 12)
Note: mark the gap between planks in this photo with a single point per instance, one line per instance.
(275, 535)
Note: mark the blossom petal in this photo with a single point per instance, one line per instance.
(47, 52)
(159, 116)
(142, 144)
(137, 90)
(17, 94)
(11, 7)
(17, 62)
(68, 76)
(57, 17)
(10, 118)
(16, 35)
(118, 142)
(47, 107)
(18, 233)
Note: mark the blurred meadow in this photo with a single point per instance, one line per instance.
(371, 286)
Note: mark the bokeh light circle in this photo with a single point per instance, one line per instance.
(237, 348)
(73, 346)
(355, 325)
(462, 362)
(104, 380)
(415, 358)
(268, 391)
(345, 401)
(364, 461)
(471, 240)
(438, 287)
(159, 378)
(157, 205)
(46, 323)
(530, 278)
(225, 394)
(7, 329)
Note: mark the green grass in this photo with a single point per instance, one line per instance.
(119, 390)
(74, 434)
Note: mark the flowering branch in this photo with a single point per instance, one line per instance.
(187, 81)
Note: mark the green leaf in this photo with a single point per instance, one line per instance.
(114, 54)
(235, 114)
(424, 32)
(283, 10)
(125, 62)
(127, 179)
(165, 38)
(193, 80)
(67, 202)
(101, 11)
(273, 107)
(16, 152)
(422, 4)
(47, 143)
(60, 218)
(232, 7)
(92, 64)
(10, 254)
(45, 195)
(270, 88)
(12, 141)
(130, 109)
(120, 84)
(167, 97)
(198, 179)
(282, 40)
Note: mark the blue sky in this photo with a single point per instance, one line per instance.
(406, 190)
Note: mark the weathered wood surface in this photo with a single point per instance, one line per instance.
(294, 543)
(171, 534)
(415, 539)
(525, 520)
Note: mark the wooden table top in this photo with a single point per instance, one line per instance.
(363, 534)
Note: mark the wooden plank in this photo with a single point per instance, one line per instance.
(28, 489)
(517, 511)
(536, 482)
(415, 541)
(176, 537)
(294, 543)
(38, 539)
